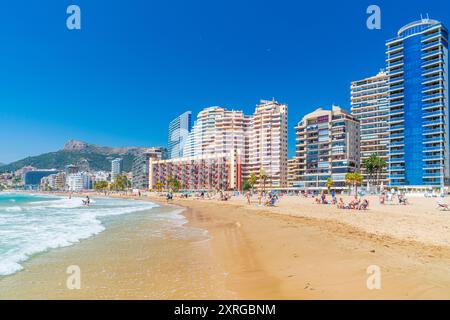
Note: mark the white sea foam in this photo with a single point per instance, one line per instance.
(13, 209)
(37, 226)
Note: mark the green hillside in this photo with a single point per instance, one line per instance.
(59, 159)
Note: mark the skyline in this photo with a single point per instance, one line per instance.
(210, 62)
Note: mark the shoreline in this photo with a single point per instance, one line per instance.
(269, 253)
(293, 257)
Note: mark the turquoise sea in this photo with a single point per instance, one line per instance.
(33, 223)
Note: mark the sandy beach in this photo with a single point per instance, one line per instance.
(297, 250)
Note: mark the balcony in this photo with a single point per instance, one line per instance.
(433, 96)
(432, 140)
(430, 62)
(397, 127)
(396, 168)
(431, 36)
(432, 44)
(397, 160)
(432, 70)
(432, 131)
(432, 53)
(396, 87)
(397, 176)
(396, 95)
(430, 105)
(434, 87)
(395, 55)
(396, 104)
(430, 149)
(432, 157)
(436, 78)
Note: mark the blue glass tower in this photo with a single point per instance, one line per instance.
(179, 129)
(417, 62)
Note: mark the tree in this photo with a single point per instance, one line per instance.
(353, 179)
(263, 178)
(120, 183)
(101, 185)
(374, 165)
(252, 180)
(329, 184)
(174, 184)
(246, 185)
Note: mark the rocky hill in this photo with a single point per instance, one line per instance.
(77, 152)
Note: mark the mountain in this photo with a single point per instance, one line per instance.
(77, 152)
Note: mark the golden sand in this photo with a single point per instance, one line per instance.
(298, 250)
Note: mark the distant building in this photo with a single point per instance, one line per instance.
(116, 167)
(21, 172)
(327, 147)
(79, 181)
(179, 129)
(32, 179)
(70, 169)
(84, 166)
(140, 177)
(55, 181)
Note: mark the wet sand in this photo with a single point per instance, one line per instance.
(254, 253)
(279, 256)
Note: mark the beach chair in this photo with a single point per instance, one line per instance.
(443, 206)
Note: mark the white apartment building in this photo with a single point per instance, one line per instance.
(268, 143)
(260, 140)
(370, 105)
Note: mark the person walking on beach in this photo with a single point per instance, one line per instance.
(248, 197)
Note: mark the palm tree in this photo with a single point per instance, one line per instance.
(369, 165)
(353, 179)
(329, 184)
(263, 177)
(252, 180)
(374, 165)
(349, 181)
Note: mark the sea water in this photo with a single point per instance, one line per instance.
(33, 223)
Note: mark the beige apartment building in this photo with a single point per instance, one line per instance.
(327, 146)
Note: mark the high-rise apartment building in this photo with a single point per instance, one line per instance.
(370, 105)
(327, 146)
(417, 62)
(179, 129)
(141, 163)
(116, 167)
(254, 144)
(268, 144)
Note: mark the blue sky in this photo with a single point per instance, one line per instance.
(137, 64)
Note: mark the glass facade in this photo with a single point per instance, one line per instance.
(179, 130)
(417, 62)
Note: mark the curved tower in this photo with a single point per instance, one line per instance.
(417, 63)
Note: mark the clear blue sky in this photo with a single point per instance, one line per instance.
(136, 64)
